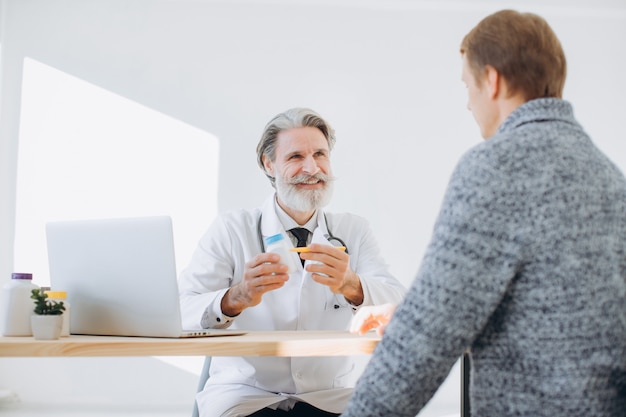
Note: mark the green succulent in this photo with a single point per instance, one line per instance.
(43, 306)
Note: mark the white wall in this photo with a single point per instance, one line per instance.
(386, 73)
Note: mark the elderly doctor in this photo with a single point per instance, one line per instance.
(231, 282)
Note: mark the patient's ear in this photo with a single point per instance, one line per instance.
(492, 81)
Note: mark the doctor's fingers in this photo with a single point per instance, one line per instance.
(259, 285)
(325, 270)
(337, 266)
(254, 295)
(332, 252)
(333, 282)
(261, 259)
(265, 284)
(253, 270)
(338, 270)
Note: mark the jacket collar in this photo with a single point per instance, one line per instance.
(541, 109)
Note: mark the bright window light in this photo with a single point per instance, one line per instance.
(85, 152)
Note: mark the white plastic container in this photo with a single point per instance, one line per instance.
(277, 244)
(61, 296)
(17, 305)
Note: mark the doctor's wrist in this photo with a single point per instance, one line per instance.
(352, 290)
(233, 303)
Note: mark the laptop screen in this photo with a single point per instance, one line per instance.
(119, 274)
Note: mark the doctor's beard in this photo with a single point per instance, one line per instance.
(304, 200)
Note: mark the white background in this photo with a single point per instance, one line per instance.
(202, 77)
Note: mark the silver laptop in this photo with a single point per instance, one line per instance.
(120, 277)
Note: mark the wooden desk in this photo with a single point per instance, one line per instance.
(253, 343)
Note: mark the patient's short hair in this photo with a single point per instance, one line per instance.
(522, 48)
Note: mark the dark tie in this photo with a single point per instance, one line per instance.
(301, 234)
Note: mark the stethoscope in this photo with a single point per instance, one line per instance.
(329, 236)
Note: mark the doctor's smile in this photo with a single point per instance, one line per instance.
(310, 181)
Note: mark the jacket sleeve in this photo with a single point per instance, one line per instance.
(216, 264)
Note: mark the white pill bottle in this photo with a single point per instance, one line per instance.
(278, 244)
(17, 306)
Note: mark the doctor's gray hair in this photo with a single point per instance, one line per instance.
(290, 119)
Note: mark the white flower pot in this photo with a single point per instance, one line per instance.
(46, 327)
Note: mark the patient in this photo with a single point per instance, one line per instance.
(526, 266)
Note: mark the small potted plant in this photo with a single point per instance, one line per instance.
(47, 321)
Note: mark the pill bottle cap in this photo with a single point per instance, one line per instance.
(57, 294)
(271, 239)
(21, 275)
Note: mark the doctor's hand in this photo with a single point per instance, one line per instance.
(261, 274)
(372, 317)
(333, 270)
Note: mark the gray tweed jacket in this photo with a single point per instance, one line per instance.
(527, 268)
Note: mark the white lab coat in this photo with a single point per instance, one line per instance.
(242, 385)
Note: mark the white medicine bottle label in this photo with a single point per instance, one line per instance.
(278, 244)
